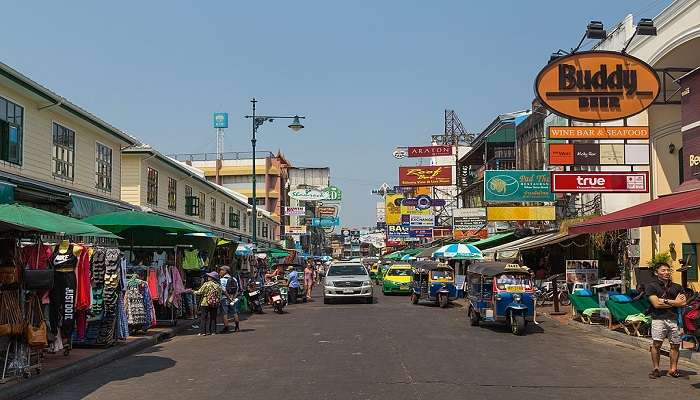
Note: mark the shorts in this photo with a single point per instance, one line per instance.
(665, 329)
(224, 306)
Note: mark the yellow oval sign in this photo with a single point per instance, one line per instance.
(597, 86)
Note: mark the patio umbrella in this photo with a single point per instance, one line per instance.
(458, 251)
(34, 219)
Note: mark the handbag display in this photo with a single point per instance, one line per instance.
(35, 332)
(11, 322)
(38, 279)
(9, 274)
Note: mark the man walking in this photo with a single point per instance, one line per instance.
(665, 298)
(226, 298)
(293, 283)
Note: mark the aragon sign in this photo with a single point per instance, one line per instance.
(597, 86)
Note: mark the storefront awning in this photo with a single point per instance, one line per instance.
(494, 240)
(510, 250)
(546, 241)
(676, 208)
(33, 219)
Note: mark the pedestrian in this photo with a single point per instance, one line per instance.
(309, 280)
(229, 292)
(293, 284)
(210, 298)
(665, 298)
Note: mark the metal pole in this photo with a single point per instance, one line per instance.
(255, 200)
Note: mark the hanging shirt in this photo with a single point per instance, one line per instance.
(34, 260)
(191, 260)
(160, 259)
(83, 290)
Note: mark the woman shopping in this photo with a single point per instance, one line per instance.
(210, 298)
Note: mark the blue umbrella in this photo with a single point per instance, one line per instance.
(407, 257)
(458, 251)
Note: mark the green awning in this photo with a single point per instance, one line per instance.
(121, 221)
(45, 221)
(494, 240)
(277, 253)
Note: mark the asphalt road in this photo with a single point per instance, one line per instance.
(388, 350)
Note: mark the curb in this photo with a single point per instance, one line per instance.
(43, 381)
(639, 342)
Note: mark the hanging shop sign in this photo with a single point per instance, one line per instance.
(598, 154)
(581, 271)
(430, 151)
(397, 232)
(517, 186)
(469, 218)
(296, 229)
(545, 213)
(392, 211)
(307, 194)
(324, 222)
(420, 232)
(333, 193)
(423, 202)
(294, 211)
(328, 211)
(597, 86)
(400, 153)
(600, 182)
(436, 175)
(598, 132)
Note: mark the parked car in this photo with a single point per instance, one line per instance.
(347, 280)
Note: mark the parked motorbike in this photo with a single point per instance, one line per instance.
(255, 297)
(277, 300)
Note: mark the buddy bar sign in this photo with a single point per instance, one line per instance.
(597, 86)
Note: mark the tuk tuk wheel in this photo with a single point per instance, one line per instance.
(414, 298)
(517, 324)
(473, 317)
(442, 301)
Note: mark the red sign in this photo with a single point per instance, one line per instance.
(600, 182)
(468, 234)
(328, 211)
(429, 151)
(436, 175)
(394, 243)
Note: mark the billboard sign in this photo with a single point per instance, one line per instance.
(325, 222)
(435, 175)
(307, 194)
(514, 186)
(296, 229)
(392, 211)
(546, 213)
(423, 202)
(430, 151)
(469, 218)
(600, 182)
(333, 193)
(599, 154)
(470, 234)
(397, 232)
(328, 211)
(294, 211)
(421, 221)
(598, 132)
(220, 120)
(420, 232)
(597, 86)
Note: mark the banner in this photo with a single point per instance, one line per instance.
(600, 182)
(294, 211)
(436, 175)
(392, 212)
(546, 213)
(515, 186)
(430, 151)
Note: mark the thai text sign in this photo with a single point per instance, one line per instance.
(294, 211)
(430, 151)
(598, 154)
(597, 86)
(546, 213)
(473, 219)
(600, 182)
(517, 186)
(598, 132)
(436, 175)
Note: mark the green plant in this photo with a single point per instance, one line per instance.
(660, 258)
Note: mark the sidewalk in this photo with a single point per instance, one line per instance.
(57, 367)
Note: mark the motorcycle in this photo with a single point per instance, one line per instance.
(255, 298)
(278, 300)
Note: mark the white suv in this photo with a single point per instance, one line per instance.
(346, 280)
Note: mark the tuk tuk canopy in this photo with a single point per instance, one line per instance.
(493, 268)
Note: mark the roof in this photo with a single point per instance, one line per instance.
(493, 268)
(674, 208)
(60, 101)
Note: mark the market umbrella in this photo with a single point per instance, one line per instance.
(458, 251)
(30, 218)
(121, 221)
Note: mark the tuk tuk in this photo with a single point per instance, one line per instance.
(433, 281)
(502, 293)
(373, 272)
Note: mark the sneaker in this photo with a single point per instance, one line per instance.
(201, 334)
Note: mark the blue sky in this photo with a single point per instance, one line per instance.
(369, 75)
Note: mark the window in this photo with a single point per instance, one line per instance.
(234, 218)
(191, 202)
(203, 203)
(212, 215)
(11, 122)
(223, 214)
(172, 194)
(245, 222)
(260, 201)
(63, 152)
(264, 230)
(690, 256)
(103, 167)
(152, 187)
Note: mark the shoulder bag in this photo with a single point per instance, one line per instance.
(36, 330)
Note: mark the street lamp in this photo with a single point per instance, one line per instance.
(258, 120)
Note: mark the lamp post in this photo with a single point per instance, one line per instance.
(258, 120)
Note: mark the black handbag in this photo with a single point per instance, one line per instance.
(38, 279)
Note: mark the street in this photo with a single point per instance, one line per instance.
(388, 350)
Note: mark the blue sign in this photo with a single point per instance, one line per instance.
(220, 120)
(420, 232)
(323, 222)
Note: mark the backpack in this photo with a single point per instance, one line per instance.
(231, 286)
(213, 298)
